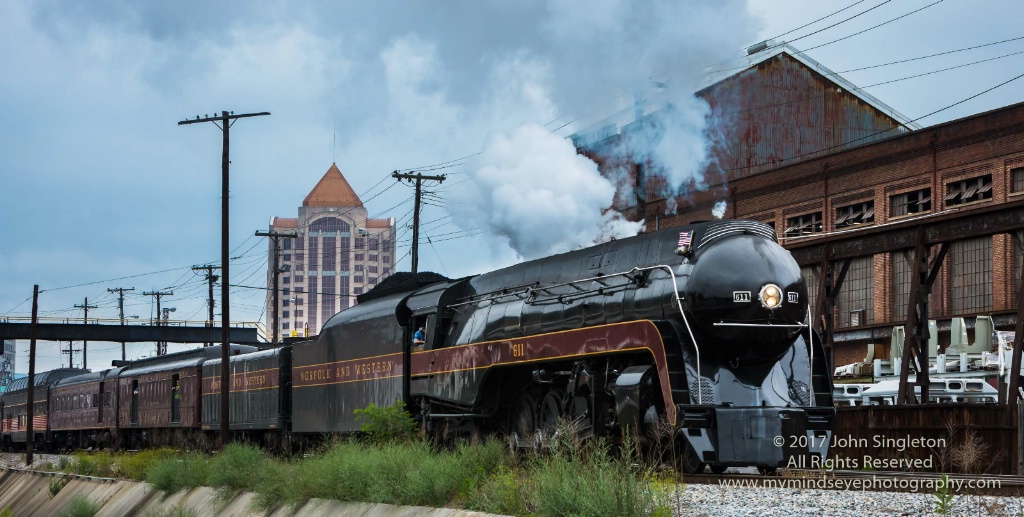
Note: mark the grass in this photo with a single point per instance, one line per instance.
(573, 479)
(80, 506)
(392, 465)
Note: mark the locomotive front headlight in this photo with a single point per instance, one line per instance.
(771, 296)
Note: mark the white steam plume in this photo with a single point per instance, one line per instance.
(531, 188)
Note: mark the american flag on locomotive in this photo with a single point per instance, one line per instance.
(685, 238)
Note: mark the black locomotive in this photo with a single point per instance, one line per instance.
(703, 327)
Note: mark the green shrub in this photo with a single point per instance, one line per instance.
(99, 464)
(504, 493)
(135, 465)
(386, 424)
(57, 483)
(589, 482)
(80, 506)
(178, 473)
(237, 467)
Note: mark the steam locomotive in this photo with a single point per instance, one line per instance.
(703, 328)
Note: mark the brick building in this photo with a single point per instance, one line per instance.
(954, 167)
(339, 253)
(779, 107)
(795, 146)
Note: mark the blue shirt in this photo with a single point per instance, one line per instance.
(418, 336)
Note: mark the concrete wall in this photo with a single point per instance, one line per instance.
(27, 494)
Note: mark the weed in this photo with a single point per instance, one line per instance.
(135, 465)
(80, 506)
(100, 464)
(943, 496)
(178, 473)
(386, 423)
(237, 467)
(503, 493)
(971, 456)
(57, 483)
(590, 482)
(63, 463)
(7, 512)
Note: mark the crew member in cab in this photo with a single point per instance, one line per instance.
(419, 338)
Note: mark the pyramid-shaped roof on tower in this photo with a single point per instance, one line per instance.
(332, 190)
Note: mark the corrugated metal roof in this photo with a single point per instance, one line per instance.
(785, 48)
(332, 190)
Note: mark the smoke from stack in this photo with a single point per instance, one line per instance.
(531, 190)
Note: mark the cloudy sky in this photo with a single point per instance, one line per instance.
(99, 187)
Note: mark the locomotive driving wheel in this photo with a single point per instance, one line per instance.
(690, 463)
(551, 410)
(522, 419)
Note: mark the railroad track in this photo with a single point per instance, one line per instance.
(881, 481)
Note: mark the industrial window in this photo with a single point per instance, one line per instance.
(358, 279)
(284, 325)
(373, 258)
(1017, 180)
(855, 215)
(911, 202)
(371, 269)
(855, 300)
(298, 301)
(287, 291)
(902, 269)
(359, 256)
(284, 314)
(387, 258)
(360, 243)
(969, 191)
(358, 290)
(359, 267)
(803, 225)
(285, 302)
(300, 256)
(810, 276)
(287, 257)
(286, 279)
(970, 275)
(1018, 260)
(298, 314)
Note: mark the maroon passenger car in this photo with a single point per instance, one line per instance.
(83, 410)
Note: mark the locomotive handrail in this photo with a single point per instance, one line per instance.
(788, 325)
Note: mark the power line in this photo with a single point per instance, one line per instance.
(810, 23)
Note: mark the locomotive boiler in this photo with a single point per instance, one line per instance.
(702, 327)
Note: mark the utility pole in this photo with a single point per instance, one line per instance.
(226, 119)
(71, 354)
(120, 306)
(158, 296)
(210, 279)
(276, 236)
(416, 211)
(31, 377)
(85, 344)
